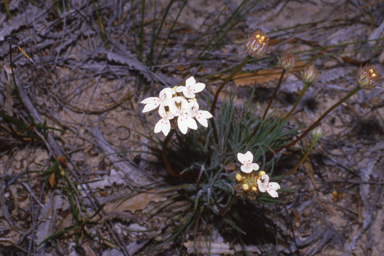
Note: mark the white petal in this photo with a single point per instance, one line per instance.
(166, 128)
(255, 166)
(265, 178)
(150, 100)
(203, 121)
(245, 169)
(273, 193)
(190, 82)
(180, 88)
(187, 93)
(159, 126)
(274, 185)
(261, 186)
(249, 156)
(198, 87)
(191, 122)
(182, 123)
(205, 114)
(150, 107)
(241, 157)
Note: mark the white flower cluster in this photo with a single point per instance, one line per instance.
(263, 183)
(185, 108)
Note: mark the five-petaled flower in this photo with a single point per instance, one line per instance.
(247, 159)
(191, 88)
(265, 186)
(163, 100)
(200, 115)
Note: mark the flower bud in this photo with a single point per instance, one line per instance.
(257, 44)
(245, 187)
(254, 189)
(287, 61)
(239, 177)
(367, 77)
(261, 174)
(309, 74)
(317, 133)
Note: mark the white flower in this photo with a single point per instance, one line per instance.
(163, 124)
(163, 100)
(247, 159)
(266, 186)
(180, 107)
(200, 115)
(191, 88)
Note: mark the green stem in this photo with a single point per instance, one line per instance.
(7, 8)
(319, 120)
(165, 155)
(297, 102)
(225, 209)
(274, 94)
(302, 160)
(239, 67)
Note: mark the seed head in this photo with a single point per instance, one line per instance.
(368, 77)
(257, 44)
(287, 61)
(309, 74)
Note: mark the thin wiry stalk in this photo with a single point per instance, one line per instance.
(302, 160)
(150, 55)
(238, 9)
(217, 43)
(200, 37)
(273, 94)
(141, 46)
(134, 28)
(297, 101)
(239, 67)
(310, 128)
(7, 8)
(170, 31)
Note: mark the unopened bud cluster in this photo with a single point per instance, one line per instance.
(249, 183)
(287, 61)
(317, 133)
(368, 77)
(257, 45)
(309, 74)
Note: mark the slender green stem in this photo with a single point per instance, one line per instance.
(274, 94)
(302, 160)
(7, 8)
(239, 67)
(297, 102)
(141, 46)
(170, 31)
(319, 120)
(225, 209)
(165, 155)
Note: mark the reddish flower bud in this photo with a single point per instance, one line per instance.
(287, 61)
(257, 45)
(368, 77)
(309, 74)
